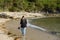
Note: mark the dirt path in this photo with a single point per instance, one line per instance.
(32, 34)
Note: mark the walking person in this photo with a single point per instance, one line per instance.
(23, 23)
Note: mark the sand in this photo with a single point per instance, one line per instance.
(32, 34)
(3, 36)
(3, 31)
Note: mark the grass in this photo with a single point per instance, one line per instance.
(50, 23)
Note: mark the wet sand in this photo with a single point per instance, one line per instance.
(32, 34)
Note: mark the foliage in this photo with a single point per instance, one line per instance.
(30, 5)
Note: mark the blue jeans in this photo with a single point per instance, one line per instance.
(23, 30)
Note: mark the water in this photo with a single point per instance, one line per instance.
(50, 24)
(36, 27)
(13, 25)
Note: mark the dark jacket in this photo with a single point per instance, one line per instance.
(23, 23)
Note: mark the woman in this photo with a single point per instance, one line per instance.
(23, 23)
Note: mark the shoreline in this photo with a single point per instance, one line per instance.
(14, 24)
(31, 32)
(43, 29)
(36, 27)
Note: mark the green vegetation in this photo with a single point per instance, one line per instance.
(30, 5)
(50, 23)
